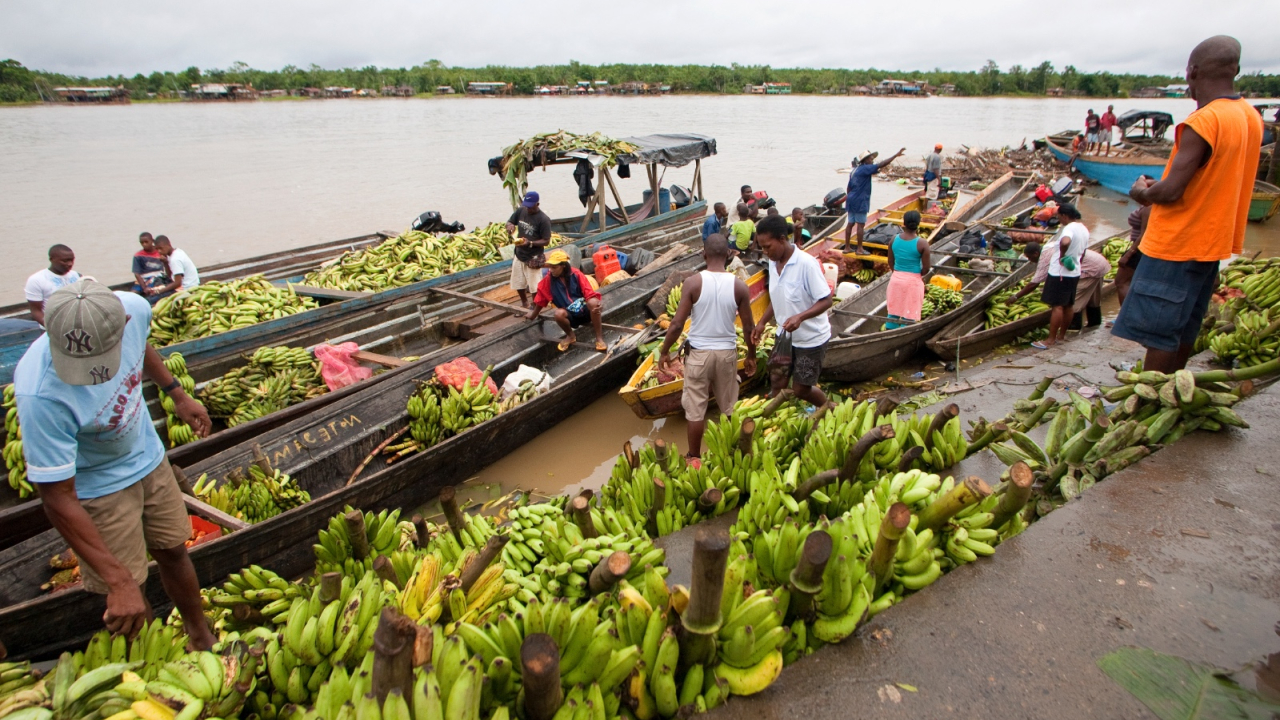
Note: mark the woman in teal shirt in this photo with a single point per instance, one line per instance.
(909, 258)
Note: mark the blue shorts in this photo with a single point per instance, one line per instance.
(857, 217)
(1166, 303)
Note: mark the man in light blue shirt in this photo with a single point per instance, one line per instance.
(718, 221)
(857, 199)
(799, 300)
(96, 458)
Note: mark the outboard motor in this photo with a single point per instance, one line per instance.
(762, 200)
(681, 195)
(431, 222)
(834, 199)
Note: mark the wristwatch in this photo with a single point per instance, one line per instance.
(167, 389)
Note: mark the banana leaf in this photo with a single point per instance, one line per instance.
(1176, 689)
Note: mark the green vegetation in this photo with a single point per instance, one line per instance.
(19, 84)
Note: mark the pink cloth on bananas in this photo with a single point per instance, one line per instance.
(905, 296)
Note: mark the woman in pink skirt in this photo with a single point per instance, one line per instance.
(909, 258)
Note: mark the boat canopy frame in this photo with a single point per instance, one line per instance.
(1151, 124)
(659, 149)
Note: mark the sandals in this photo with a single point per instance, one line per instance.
(567, 342)
(601, 347)
(1039, 345)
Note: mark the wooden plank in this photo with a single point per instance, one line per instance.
(328, 293)
(213, 514)
(378, 359)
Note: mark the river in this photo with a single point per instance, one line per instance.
(232, 180)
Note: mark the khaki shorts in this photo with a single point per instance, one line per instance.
(148, 514)
(524, 277)
(1088, 293)
(707, 371)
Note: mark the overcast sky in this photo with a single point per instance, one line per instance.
(95, 38)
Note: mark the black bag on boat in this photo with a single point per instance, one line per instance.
(1000, 241)
(882, 234)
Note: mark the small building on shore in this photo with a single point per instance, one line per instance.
(905, 88)
(93, 94)
(272, 93)
(488, 88)
(397, 91)
(336, 91)
(222, 91)
(307, 92)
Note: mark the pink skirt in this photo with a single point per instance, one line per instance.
(905, 295)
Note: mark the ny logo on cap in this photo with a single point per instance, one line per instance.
(100, 374)
(79, 341)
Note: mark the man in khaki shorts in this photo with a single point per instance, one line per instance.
(96, 458)
(713, 297)
(532, 229)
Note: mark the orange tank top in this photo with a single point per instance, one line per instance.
(1208, 222)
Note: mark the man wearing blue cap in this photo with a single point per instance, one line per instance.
(532, 229)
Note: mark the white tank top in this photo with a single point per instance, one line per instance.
(712, 326)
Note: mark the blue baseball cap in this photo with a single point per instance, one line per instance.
(530, 199)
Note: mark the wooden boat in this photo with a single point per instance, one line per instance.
(967, 335)
(1119, 171)
(323, 449)
(664, 400)
(417, 327)
(860, 350)
(995, 198)
(278, 265)
(1265, 202)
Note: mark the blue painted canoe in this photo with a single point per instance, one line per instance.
(1113, 173)
(275, 332)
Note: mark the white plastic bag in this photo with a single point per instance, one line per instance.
(540, 379)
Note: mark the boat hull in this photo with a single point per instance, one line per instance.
(1115, 173)
(1265, 202)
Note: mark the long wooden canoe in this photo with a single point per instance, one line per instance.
(1265, 201)
(860, 350)
(416, 327)
(321, 450)
(235, 342)
(277, 265)
(968, 334)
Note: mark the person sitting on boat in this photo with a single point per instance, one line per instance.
(909, 258)
(182, 269)
(1077, 144)
(799, 298)
(150, 269)
(1092, 132)
(532, 229)
(799, 233)
(713, 298)
(933, 170)
(718, 221)
(577, 302)
(1105, 124)
(43, 284)
(95, 456)
(742, 232)
(857, 201)
(1199, 211)
(1065, 251)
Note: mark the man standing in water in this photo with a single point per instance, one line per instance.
(533, 230)
(1198, 210)
(857, 200)
(43, 284)
(799, 300)
(714, 297)
(95, 456)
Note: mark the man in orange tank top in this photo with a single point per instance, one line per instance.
(1198, 210)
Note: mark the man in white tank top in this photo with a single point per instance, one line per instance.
(713, 297)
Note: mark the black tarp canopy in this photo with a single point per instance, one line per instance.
(670, 149)
(1160, 121)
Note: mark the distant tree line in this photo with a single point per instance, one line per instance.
(18, 83)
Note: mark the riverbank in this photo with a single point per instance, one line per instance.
(1175, 554)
